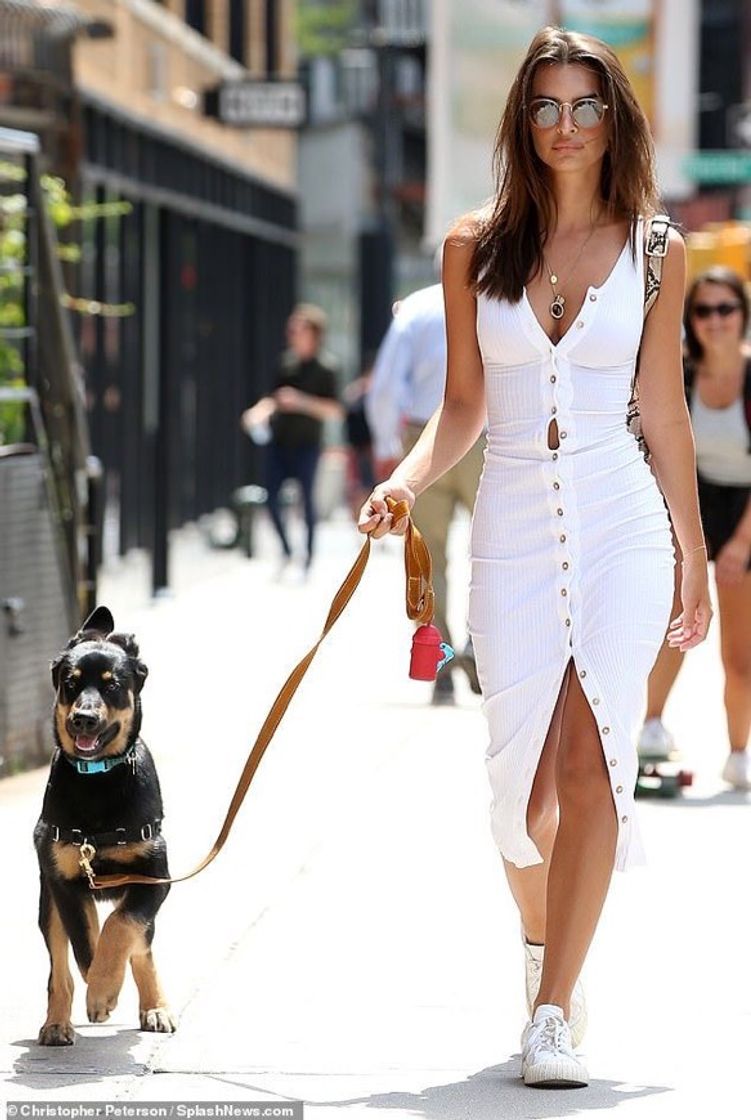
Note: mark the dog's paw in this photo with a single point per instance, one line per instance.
(158, 1019)
(100, 1003)
(57, 1034)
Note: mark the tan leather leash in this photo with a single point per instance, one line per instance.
(420, 605)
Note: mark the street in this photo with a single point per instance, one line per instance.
(355, 945)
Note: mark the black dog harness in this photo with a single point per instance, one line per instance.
(116, 838)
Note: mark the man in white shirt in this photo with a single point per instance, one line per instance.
(408, 383)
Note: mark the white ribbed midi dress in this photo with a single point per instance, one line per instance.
(572, 556)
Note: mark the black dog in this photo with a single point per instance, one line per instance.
(103, 791)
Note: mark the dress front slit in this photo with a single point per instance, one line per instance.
(572, 555)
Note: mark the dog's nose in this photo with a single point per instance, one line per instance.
(84, 722)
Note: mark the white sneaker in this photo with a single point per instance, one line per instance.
(737, 770)
(548, 1058)
(655, 741)
(533, 956)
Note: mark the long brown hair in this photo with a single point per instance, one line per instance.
(512, 232)
(718, 274)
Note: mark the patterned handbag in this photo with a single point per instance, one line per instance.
(655, 250)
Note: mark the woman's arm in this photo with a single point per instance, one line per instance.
(666, 426)
(460, 418)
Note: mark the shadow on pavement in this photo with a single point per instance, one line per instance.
(491, 1093)
(95, 1056)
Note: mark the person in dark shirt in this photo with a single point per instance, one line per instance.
(291, 417)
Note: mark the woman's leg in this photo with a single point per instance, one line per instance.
(561, 899)
(529, 885)
(668, 663)
(583, 857)
(734, 602)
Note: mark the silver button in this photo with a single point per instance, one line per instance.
(613, 761)
(553, 378)
(619, 789)
(568, 621)
(596, 700)
(556, 485)
(562, 538)
(593, 298)
(606, 730)
(553, 410)
(582, 673)
(560, 513)
(555, 454)
(580, 324)
(564, 591)
(624, 820)
(563, 435)
(564, 565)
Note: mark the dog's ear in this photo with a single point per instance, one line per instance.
(55, 668)
(100, 621)
(128, 643)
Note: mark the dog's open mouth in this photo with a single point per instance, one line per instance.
(89, 745)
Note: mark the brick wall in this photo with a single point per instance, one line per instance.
(157, 68)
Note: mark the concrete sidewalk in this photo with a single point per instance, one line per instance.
(355, 945)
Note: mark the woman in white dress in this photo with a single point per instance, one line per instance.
(572, 557)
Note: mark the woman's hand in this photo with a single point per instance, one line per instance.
(731, 561)
(375, 517)
(692, 624)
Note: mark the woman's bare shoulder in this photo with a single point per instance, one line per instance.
(465, 231)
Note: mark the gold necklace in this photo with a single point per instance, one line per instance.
(558, 303)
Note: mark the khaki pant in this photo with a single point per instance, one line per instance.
(434, 511)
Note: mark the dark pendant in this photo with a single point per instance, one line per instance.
(558, 307)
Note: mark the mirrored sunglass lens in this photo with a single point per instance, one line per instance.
(545, 113)
(587, 113)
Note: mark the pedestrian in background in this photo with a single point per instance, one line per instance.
(408, 384)
(572, 555)
(717, 377)
(291, 418)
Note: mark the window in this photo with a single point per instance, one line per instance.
(237, 30)
(272, 37)
(195, 15)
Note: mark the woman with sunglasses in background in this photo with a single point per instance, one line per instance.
(718, 389)
(572, 556)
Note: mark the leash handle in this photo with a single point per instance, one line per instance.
(420, 601)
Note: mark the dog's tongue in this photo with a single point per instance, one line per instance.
(86, 742)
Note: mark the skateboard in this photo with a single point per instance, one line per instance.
(662, 776)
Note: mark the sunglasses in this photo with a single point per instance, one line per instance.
(724, 310)
(587, 112)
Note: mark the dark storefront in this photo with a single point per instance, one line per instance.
(206, 259)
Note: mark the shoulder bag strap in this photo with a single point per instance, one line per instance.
(655, 250)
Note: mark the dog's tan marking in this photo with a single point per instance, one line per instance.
(66, 856)
(76, 673)
(126, 853)
(106, 675)
(120, 938)
(153, 1011)
(91, 917)
(61, 714)
(120, 742)
(58, 1029)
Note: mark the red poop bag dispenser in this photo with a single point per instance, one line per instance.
(429, 653)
